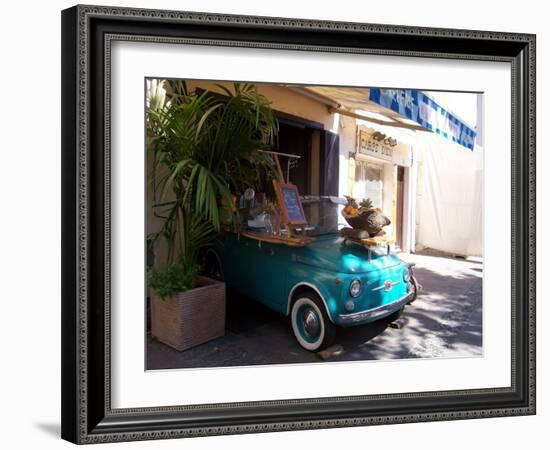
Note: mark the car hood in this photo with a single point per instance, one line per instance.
(331, 252)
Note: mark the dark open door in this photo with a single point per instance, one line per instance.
(329, 164)
(295, 140)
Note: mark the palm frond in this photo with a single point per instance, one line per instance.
(204, 146)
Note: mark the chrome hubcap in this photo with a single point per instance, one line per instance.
(311, 323)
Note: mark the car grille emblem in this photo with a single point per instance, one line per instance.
(388, 285)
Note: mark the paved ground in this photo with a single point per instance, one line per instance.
(445, 321)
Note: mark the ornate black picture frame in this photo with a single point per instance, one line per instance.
(87, 415)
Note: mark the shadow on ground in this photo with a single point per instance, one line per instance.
(52, 429)
(445, 321)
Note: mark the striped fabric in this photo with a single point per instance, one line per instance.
(418, 107)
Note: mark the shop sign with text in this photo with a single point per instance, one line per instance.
(375, 144)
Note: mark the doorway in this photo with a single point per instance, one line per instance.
(295, 140)
(399, 204)
(317, 170)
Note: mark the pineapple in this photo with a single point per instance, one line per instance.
(366, 203)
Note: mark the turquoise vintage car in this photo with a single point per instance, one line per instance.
(328, 283)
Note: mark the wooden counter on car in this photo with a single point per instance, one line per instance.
(291, 241)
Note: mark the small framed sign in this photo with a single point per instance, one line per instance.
(289, 203)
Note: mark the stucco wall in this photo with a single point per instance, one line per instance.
(347, 130)
(282, 99)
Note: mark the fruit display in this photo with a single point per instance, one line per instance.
(363, 217)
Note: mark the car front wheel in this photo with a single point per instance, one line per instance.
(310, 323)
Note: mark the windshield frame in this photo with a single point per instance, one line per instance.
(329, 219)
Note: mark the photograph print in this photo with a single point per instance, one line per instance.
(299, 224)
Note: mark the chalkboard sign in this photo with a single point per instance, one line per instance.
(290, 204)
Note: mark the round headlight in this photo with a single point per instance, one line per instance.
(355, 288)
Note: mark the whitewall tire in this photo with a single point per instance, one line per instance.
(311, 325)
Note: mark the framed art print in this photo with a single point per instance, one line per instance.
(281, 224)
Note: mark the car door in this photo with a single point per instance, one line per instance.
(268, 266)
(235, 265)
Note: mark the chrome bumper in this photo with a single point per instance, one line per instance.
(370, 315)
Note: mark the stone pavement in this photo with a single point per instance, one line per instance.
(444, 322)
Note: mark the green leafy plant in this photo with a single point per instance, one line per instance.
(204, 147)
(173, 278)
(209, 145)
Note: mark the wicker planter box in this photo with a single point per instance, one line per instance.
(190, 318)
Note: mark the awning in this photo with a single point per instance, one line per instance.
(418, 107)
(398, 108)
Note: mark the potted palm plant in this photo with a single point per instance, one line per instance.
(204, 146)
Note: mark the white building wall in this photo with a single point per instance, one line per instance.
(449, 205)
(347, 130)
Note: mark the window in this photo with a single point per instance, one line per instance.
(368, 182)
